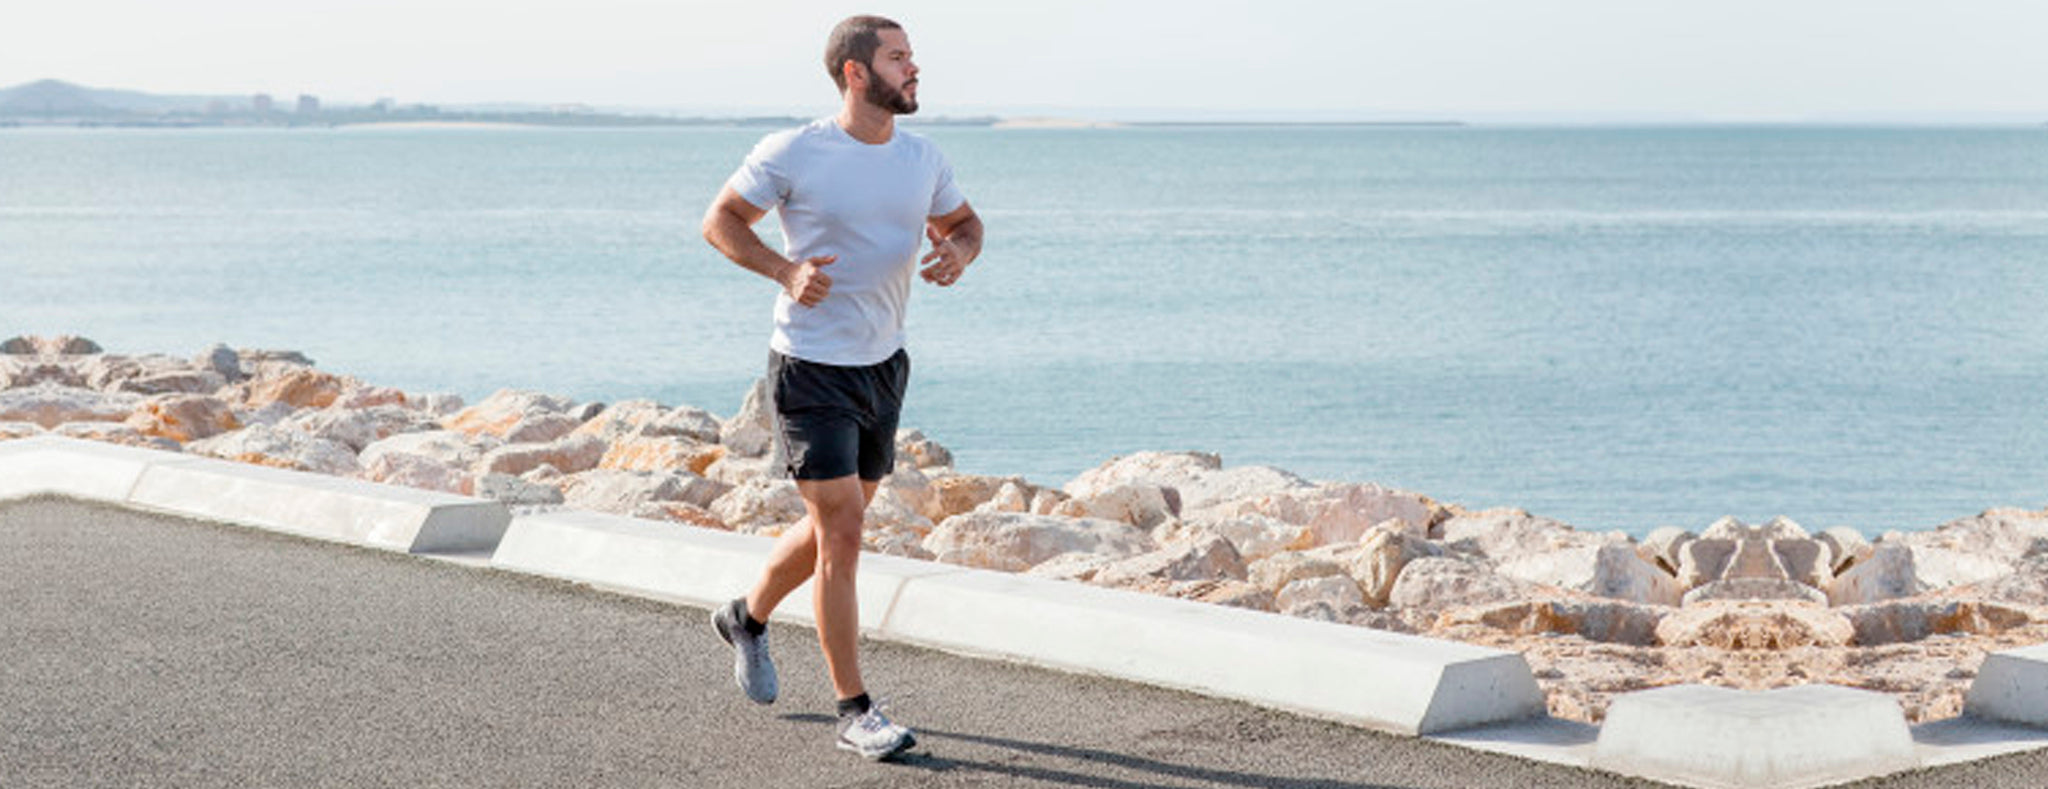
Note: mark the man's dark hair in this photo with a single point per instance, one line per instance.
(854, 39)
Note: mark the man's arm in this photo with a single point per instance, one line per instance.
(956, 242)
(729, 227)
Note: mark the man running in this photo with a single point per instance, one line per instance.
(857, 198)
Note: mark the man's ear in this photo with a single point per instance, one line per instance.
(856, 73)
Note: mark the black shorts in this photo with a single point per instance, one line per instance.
(838, 421)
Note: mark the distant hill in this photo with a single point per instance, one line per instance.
(55, 97)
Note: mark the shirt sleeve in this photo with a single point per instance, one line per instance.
(763, 179)
(946, 196)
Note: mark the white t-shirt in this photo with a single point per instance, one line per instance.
(865, 203)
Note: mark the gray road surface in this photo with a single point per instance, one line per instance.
(141, 650)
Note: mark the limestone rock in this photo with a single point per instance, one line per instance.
(514, 491)
(1071, 566)
(1704, 560)
(1012, 497)
(1505, 534)
(358, 429)
(751, 432)
(1603, 621)
(620, 492)
(1437, 583)
(681, 512)
(1331, 598)
(433, 460)
(11, 430)
(185, 417)
(1275, 572)
(1754, 625)
(733, 469)
(961, 493)
(1336, 513)
(517, 417)
(1805, 561)
(1162, 469)
(760, 501)
(1257, 536)
(921, 452)
(1846, 546)
(1014, 541)
(1902, 621)
(1887, 574)
(1205, 558)
(222, 361)
(298, 387)
(1661, 547)
(1755, 589)
(1139, 504)
(264, 445)
(1940, 568)
(111, 433)
(1386, 552)
(655, 453)
(1236, 594)
(571, 455)
(50, 406)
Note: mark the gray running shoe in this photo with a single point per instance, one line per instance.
(751, 665)
(873, 736)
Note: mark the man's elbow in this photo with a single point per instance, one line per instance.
(710, 227)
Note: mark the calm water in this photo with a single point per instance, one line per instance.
(1619, 328)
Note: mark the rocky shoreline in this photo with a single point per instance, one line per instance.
(1737, 605)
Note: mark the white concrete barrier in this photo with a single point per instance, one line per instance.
(1789, 738)
(1389, 681)
(57, 465)
(317, 505)
(681, 563)
(2012, 686)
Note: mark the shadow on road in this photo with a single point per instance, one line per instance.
(1121, 761)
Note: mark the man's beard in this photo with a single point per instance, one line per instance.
(890, 98)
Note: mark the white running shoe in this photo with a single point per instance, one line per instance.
(752, 668)
(873, 736)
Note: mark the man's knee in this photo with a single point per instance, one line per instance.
(837, 507)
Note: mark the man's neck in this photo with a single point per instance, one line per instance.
(866, 122)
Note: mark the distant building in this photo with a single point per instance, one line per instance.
(216, 108)
(309, 105)
(385, 104)
(571, 109)
(262, 104)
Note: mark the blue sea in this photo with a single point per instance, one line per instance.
(1618, 327)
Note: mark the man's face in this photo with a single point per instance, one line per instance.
(892, 79)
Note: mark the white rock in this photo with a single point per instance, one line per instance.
(1140, 504)
(1378, 566)
(1168, 469)
(921, 452)
(1331, 598)
(620, 492)
(1011, 497)
(1205, 558)
(1704, 560)
(1887, 574)
(570, 454)
(1661, 547)
(1846, 546)
(518, 417)
(1072, 566)
(1504, 534)
(269, 446)
(1437, 583)
(1257, 536)
(1016, 541)
(760, 501)
(1277, 571)
(751, 432)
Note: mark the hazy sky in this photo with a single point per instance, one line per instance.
(1710, 59)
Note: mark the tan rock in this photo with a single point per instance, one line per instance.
(760, 501)
(921, 452)
(299, 388)
(1071, 566)
(961, 493)
(570, 455)
(679, 512)
(1162, 469)
(1015, 541)
(751, 432)
(1505, 534)
(1751, 625)
(1804, 561)
(1436, 583)
(1275, 572)
(1139, 504)
(49, 406)
(1662, 545)
(1331, 598)
(1704, 560)
(358, 429)
(1846, 546)
(1204, 558)
(1386, 552)
(111, 433)
(517, 417)
(363, 397)
(657, 453)
(621, 492)
(11, 430)
(1257, 536)
(1236, 594)
(264, 445)
(183, 418)
(1887, 574)
(1912, 620)
(1011, 497)
(1755, 589)
(432, 460)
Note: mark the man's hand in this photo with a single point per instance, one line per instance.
(806, 282)
(952, 260)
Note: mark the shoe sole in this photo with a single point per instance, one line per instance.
(909, 741)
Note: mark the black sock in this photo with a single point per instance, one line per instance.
(857, 705)
(747, 621)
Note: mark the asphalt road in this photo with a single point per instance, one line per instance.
(142, 650)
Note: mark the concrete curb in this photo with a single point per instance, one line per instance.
(312, 505)
(1389, 681)
(1789, 738)
(1452, 692)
